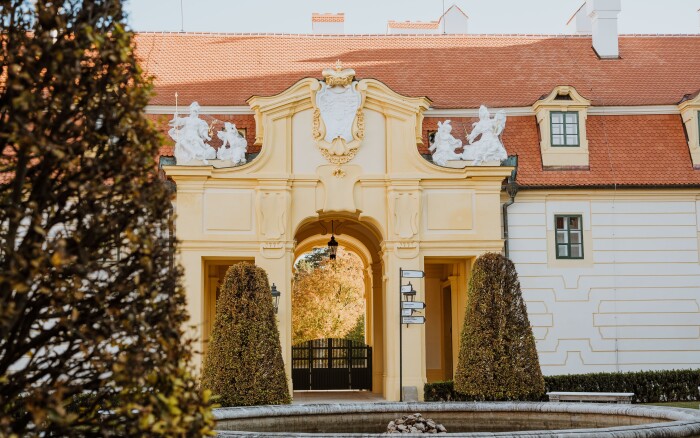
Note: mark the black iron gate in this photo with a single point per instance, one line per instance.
(331, 364)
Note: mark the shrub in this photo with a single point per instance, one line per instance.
(89, 300)
(243, 365)
(497, 356)
(647, 386)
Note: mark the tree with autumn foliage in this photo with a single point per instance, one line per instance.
(327, 296)
(91, 307)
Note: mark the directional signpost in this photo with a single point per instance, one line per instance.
(415, 305)
(413, 319)
(412, 274)
(406, 309)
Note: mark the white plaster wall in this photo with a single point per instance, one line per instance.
(633, 303)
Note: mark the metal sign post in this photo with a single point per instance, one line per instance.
(400, 337)
(406, 309)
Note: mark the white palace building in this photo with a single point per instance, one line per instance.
(598, 203)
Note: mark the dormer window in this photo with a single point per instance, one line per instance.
(561, 116)
(564, 128)
(690, 113)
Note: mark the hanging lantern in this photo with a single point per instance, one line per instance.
(332, 244)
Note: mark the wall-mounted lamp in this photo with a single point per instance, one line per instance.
(275, 297)
(332, 244)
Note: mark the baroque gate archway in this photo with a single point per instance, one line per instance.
(338, 147)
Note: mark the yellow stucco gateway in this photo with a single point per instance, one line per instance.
(389, 205)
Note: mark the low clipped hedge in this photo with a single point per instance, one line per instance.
(647, 386)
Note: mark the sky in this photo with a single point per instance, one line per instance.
(370, 16)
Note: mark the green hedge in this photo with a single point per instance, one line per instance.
(647, 386)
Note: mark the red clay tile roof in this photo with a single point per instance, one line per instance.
(630, 151)
(455, 71)
(464, 72)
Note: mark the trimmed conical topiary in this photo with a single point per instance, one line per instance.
(497, 355)
(243, 365)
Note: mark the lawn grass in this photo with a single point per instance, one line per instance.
(685, 404)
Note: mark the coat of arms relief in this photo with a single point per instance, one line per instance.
(338, 121)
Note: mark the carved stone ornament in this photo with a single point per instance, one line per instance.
(338, 120)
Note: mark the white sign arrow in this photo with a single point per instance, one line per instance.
(412, 274)
(416, 305)
(413, 320)
(406, 312)
(407, 288)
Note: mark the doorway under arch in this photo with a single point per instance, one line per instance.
(364, 240)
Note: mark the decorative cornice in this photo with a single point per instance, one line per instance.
(449, 112)
(215, 109)
(474, 112)
(646, 110)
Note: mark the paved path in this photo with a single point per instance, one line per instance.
(316, 397)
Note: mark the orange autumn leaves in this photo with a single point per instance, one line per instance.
(328, 296)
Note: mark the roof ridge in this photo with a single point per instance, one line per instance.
(373, 35)
(405, 35)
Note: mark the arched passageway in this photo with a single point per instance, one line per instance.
(364, 240)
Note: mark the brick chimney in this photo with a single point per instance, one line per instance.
(453, 21)
(603, 15)
(412, 27)
(325, 23)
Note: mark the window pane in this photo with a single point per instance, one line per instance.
(562, 251)
(557, 118)
(558, 140)
(575, 237)
(576, 251)
(562, 237)
(572, 139)
(571, 117)
(557, 129)
(574, 223)
(560, 223)
(572, 129)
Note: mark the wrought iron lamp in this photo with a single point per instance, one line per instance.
(275, 297)
(332, 244)
(410, 294)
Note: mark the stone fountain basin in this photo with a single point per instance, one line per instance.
(462, 419)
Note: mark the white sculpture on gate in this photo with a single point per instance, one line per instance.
(444, 144)
(238, 145)
(190, 134)
(489, 147)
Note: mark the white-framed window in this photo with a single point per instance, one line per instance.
(569, 236)
(564, 128)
